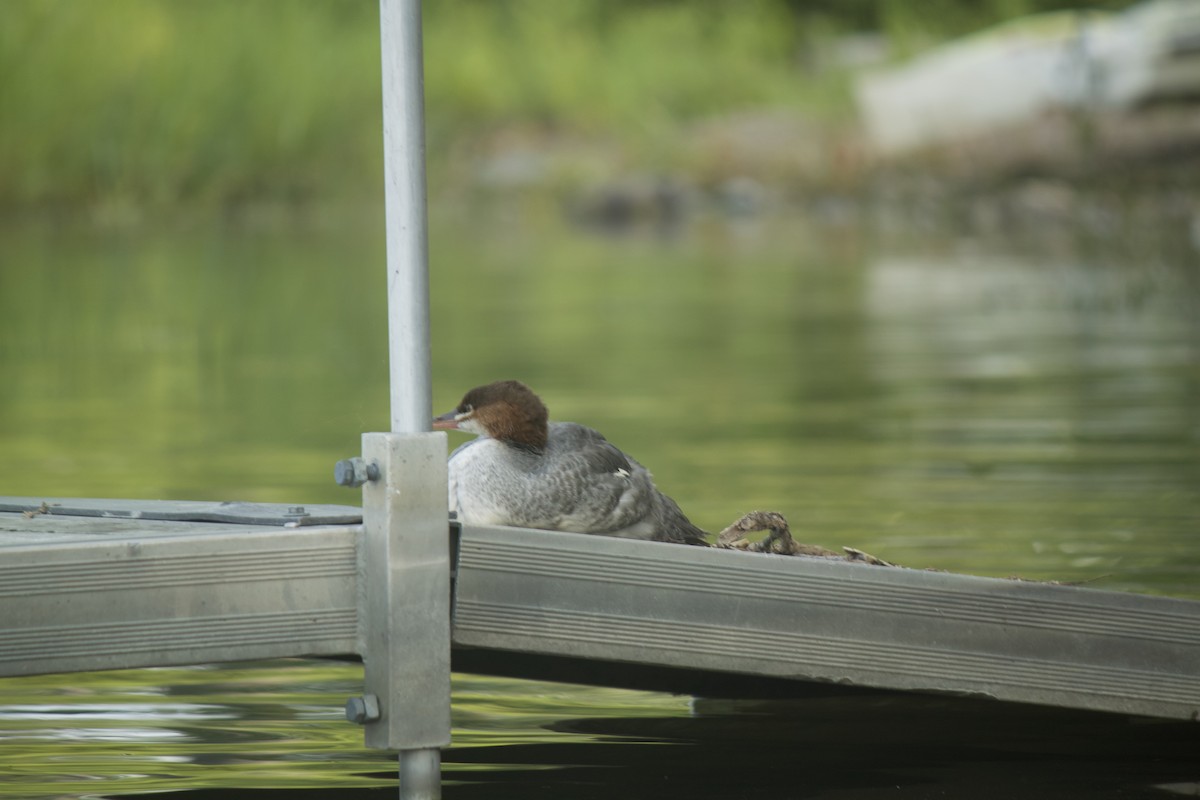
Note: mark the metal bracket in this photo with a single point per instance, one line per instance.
(405, 609)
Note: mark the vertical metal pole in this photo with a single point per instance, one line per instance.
(407, 236)
(406, 619)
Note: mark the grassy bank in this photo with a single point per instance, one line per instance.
(155, 105)
(167, 103)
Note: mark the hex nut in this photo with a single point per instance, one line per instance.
(361, 710)
(353, 472)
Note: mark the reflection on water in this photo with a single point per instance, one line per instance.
(276, 730)
(952, 406)
(1061, 397)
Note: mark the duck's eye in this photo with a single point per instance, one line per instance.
(465, 410)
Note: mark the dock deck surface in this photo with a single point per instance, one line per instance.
(112, 584)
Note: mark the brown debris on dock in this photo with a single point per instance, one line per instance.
(779, 540)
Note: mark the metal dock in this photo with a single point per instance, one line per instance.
(107, 584)
(111, 584)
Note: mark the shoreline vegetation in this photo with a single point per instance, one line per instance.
(129, 111)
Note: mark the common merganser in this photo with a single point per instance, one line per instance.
(524, 471)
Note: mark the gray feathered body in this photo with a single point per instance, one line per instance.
(579, 482)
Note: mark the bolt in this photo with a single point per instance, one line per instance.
(355, 472)
(361, 710)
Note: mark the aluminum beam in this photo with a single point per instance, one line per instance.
(86, 593)
(173, 593)
(695, 610)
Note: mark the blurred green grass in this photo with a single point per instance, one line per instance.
(145, 106)
(175, 102)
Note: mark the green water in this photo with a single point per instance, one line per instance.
(996, 410)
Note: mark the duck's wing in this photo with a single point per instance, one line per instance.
(615, 493)
(596, 487)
